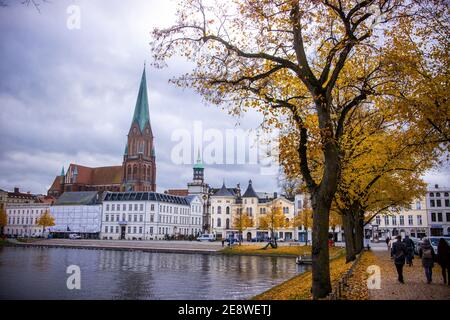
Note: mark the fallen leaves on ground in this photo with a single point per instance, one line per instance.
(281, 250)
(299, 287)
(357, 283)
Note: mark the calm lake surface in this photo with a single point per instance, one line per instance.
(40, 273)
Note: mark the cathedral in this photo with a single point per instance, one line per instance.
(138, 169)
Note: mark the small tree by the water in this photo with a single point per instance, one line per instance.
(45, 220)
(273, 220)
(241, 221)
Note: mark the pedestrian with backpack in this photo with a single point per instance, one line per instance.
(426, 252)
(409, 244)
(398, 252)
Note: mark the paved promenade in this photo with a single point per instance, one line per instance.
(151, 246)
(415, 287)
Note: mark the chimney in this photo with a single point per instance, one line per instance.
(16, 190)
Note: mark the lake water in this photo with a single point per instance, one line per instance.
(40, 273)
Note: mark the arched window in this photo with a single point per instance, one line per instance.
(135, 172)
(149, 176)
(228, 224)
(219, 223)
(129, 176)
(219, 210)
(144, 172)
(228, 210)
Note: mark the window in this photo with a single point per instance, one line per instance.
(438, 203)
(439, 216)
(130, 207)
(228, 224)
(136, 207)
(118, 218)
(124, 207)
(433, 216)
(386, 220)
(219, 210)
(378, 220)
(219, 223)
(141, 207)
(152, 218)
(152, 207)
(151, 230)
(419, 220)
(410, 220)
(447, 202)
(134, 229)
(140, 229)
(228, 211)
(107, 207)
(432, 203)
(106, 229)
(438, 194)
(447, 216)
(431, 194)
(113, 207)
(129, 229)
(112, 218)
(117, 229)
(107, 218)
(418, 205)
(135, 218)
(111, 229)
(402, 220)
(141, 218)
(394, 220)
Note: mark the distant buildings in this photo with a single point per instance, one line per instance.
(138, 169)
(77, 212)
(22, 219)
(411, 221)
(149, 216)
(438, 210)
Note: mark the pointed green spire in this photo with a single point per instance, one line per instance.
(62, 172)
(153, 152)
(126, 150)
(199, 163)
(141, 113)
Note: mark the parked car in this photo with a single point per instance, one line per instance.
(74, 236)
(206, 237)
(435, 241)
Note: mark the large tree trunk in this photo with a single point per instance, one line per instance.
(348, 224)
(359, 233)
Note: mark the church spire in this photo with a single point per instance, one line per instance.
(141, 113)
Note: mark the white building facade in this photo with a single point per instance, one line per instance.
(438, 210)
(22, 219)
(411, 221)
(150, 216)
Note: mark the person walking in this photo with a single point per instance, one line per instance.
(409, 244)
(443, 259)
(387, 241)
(398, 252)
(426, 252)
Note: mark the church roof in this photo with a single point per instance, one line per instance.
(223, 192)
(250, 192)
(141, 113)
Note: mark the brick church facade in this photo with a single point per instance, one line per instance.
(138, 169)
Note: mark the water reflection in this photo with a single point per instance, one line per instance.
(38, 273)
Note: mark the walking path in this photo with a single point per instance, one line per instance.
(415, 287)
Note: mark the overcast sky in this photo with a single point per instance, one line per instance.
(68, 96)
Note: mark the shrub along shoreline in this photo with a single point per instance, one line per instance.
(281, 251)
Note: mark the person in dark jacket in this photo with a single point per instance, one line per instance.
(399, 252)
(409, 244)
(426, 252)
(387, 241)
(443, 259)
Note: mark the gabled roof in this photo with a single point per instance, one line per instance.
(141, 113)
(178, 192)
(250, 192)
(191, 198)
(78, 198)
(223, 192)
